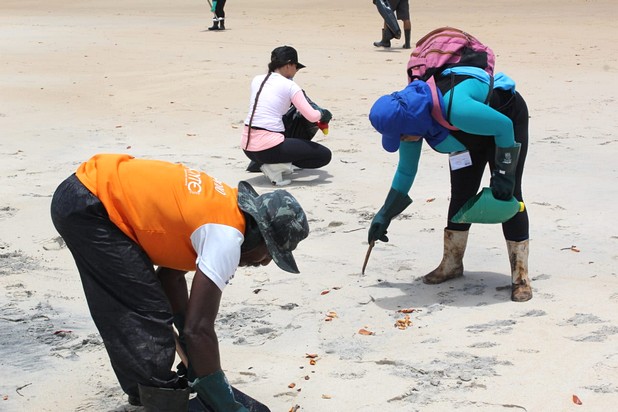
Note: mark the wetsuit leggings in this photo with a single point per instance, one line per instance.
(300, 152)
(125, 298)
(465, 182)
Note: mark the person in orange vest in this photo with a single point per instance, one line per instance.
(135, 227)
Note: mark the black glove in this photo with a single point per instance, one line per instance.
(326, 116)
(502, 181)
(395, 203)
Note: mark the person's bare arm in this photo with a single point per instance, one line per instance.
(175, 287)
(200, 335)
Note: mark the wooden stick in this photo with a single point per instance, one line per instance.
(371, 245)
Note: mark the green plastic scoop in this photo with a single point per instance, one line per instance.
(485, 208)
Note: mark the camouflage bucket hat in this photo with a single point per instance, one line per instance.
(281, 221)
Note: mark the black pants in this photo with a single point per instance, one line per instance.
(125, 297)
(300, 152)
(465, 182)
(219, 12)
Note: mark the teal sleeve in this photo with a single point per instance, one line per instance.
(449, 145)
(409, 156)
(470, 114)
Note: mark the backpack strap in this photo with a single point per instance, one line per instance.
(436, 110)
(491, 89)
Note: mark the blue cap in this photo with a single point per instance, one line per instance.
(406, 112)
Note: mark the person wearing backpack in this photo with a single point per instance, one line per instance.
(491, 132)
(263, 140)
(402, 10)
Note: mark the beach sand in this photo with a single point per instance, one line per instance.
(147, 78)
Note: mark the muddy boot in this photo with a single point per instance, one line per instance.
(215, 24)
(406, 34)
(386, 39)
(163, 399)
(521, 291)
(452, 259)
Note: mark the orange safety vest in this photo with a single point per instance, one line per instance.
(160, 204)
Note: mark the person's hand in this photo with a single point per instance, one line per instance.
(214, 6)
(216, 392)
(395, 203)
(326, 115)
(502, 184)
(377, 230)
(503, 176)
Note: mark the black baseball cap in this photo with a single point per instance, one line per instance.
(283, 55)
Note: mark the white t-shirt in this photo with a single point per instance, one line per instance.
(274, 101)
(218, 251)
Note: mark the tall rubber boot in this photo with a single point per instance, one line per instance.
(215, 24)
(521, 291)
(221, 23)
(451, 267)
(386, 39)
(164, 399)
(406, 34)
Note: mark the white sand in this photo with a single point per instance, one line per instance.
(146, 78)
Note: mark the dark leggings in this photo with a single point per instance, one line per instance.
(465, 182)
(124, 295)
(219, 8)
(300, 152)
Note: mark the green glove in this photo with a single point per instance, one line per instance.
(502, 181)
(216, 392)
(395, 203)
(214, 6)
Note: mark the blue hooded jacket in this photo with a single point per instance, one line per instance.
(407, 112)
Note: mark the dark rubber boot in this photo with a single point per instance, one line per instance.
(163, 399)
(221, 23)
(406, 33)
(386, 39)
(215, 24)
(134, 400)
(254, 167)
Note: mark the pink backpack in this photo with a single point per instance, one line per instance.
(443, 48)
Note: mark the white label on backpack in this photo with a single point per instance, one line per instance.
(459, 160)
